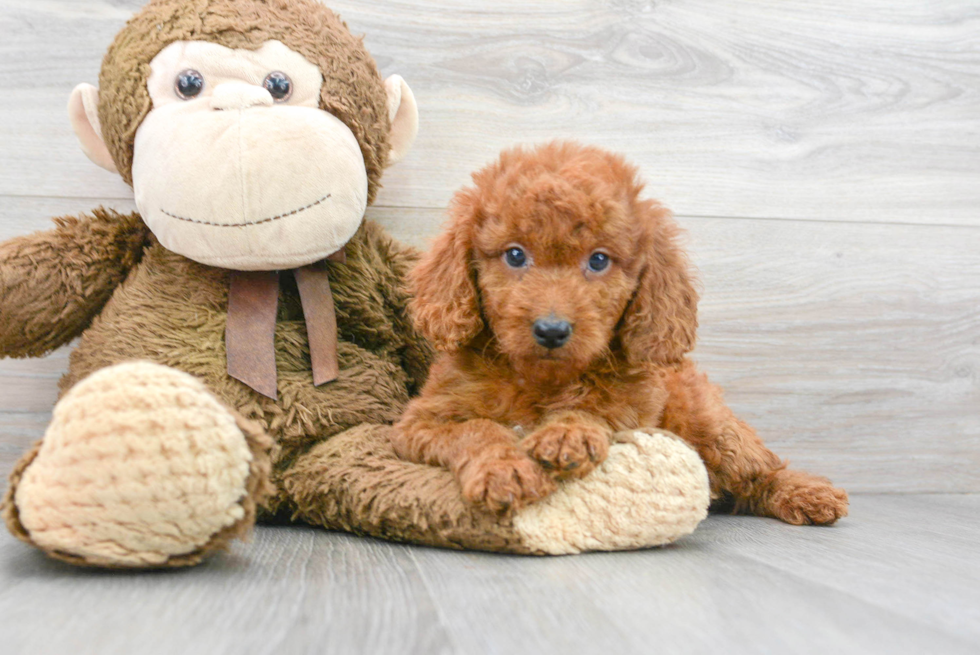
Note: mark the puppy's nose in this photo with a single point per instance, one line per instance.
(552, 332)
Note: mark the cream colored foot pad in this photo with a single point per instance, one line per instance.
(651, 490)
(140, 463)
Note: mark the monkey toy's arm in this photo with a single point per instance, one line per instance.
(53, 283)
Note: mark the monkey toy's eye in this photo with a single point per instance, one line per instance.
(279, 86)
(515, 257)
(598, 262)
(189, 84)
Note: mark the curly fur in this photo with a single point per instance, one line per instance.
(507, 415)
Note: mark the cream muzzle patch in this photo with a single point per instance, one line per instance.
(247, 223)
(245, 200)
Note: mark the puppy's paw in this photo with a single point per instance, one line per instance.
(803, 499)
(502, 484)
(568, 449)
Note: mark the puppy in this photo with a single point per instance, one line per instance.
(564, 308)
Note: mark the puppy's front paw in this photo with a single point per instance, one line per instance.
(568, 449)
(504, 483)
(803, 499)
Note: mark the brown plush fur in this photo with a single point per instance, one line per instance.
(11, 515)
(106, 279)
(381, 361)
(54, 283)
(353, 90)
(173, 311)
(355, 482)
(507, 415)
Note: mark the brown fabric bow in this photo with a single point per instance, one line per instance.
(250, 335)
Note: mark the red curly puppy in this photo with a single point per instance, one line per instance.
(564, 310)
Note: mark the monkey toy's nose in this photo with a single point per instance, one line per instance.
(239, 95)
(552, 332)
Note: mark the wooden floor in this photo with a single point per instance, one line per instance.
(824, 159)
(900, 575)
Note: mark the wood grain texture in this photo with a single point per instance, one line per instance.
(846, 328)
(854, 349)
(785, 109)
(736, 585)
(908, 554)
(294, 590)
(898, 576)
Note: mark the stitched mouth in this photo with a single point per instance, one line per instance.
(249, 223)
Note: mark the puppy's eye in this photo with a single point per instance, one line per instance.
(515, 258)
(189, 84)
(598, 262)
(279, 86)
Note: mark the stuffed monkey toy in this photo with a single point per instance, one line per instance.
(244, 339)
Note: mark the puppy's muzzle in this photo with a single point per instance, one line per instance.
(552, 332)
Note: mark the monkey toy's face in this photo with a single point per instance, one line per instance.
(265, 177)
(236, 165)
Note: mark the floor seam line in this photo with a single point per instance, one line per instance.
(443, 621)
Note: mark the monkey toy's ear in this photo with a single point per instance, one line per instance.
(83, 111)
(404, 115)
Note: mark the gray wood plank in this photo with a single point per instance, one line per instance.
(897, 576)
(854, 349)
(912, 555)
(857, 111)
(28, 391)
(294, 590)
(683, 599)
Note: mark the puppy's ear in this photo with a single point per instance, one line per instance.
(660, 323)
(445, 306)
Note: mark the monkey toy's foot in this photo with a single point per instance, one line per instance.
(141, 467)
(651, 490)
